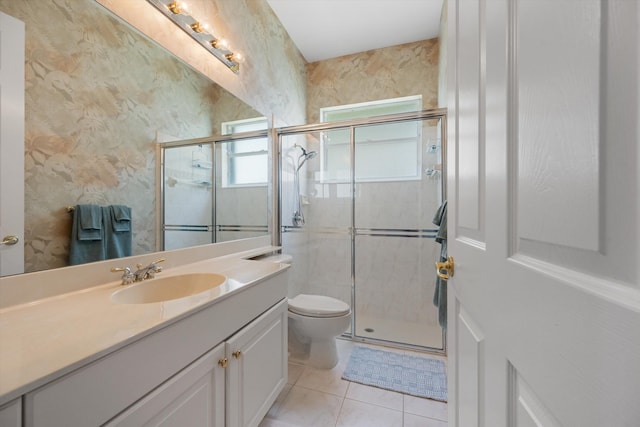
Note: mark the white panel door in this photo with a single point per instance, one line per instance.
(544, 225)
(11, 145)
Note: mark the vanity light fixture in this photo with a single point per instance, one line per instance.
(179, 13)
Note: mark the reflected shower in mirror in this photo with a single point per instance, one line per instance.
(214, 195)
(98, 94)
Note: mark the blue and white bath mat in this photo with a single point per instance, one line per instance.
(414, 375)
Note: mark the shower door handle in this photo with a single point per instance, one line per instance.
(445, 269)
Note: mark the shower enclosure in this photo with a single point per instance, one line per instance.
(367, 191)
(213, 190)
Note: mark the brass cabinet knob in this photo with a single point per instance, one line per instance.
(237, 354)
(445, 269)
(223, 362)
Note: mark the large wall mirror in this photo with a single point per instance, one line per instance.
(98, 96)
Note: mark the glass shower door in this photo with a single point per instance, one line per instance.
(398, 189)
(316, 215)
(187, 178)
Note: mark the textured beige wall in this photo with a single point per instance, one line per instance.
(442, 61)
(272, 77)
(96, 94)
(408, 69)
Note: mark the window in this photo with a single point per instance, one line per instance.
(245, 161)
(384, 152)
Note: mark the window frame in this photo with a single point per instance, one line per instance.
(415, 101)
(229, 152)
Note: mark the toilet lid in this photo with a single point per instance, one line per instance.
(318, 306)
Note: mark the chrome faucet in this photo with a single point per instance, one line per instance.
(148, 272)
(142, 273)
(127, 276)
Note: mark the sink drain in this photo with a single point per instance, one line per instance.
(369, 330)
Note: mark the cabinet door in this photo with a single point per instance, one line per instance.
(11, 414)
(193, 397)
(257, 369)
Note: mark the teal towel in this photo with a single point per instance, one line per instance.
(117, 243)
(86, 245)
(440, 293)
(90, 222)
(121, 218)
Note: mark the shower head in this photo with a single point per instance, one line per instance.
(306, 155)
(310, 155)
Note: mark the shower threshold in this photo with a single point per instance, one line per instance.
(404, 334)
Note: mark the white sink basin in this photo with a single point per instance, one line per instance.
(168, 288)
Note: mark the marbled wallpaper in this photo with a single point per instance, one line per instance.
(442, 61)
(97, 94)
(272, 76)
(392, 72)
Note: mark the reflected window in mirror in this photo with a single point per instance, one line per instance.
(244, 162)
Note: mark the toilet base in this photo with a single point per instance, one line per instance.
(323, 354)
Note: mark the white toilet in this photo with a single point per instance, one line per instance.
(314, 322)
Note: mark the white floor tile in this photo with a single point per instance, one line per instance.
(359, 414)
(324, 380)
(375, 396)
(273, 411)
(294, 373)
(425, 407)
(411, 420)
(309, 408)
(268, 422)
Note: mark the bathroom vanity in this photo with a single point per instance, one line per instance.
(217, 358)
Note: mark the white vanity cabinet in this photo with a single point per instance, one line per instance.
(221, 366)
(253, 362)
(11, 414)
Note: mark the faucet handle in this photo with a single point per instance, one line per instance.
(127, 276)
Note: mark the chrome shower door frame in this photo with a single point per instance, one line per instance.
(352, 125)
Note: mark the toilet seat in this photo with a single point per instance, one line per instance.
(318, 306)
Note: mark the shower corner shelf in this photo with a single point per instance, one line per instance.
(202, 164)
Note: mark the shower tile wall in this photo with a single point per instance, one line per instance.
(241, 206)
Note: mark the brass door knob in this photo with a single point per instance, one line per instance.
(237, 354)
(9, 240)
(223, 362)
(445, 269)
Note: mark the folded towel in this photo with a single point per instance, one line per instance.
(117, 235)
(86, 245)
(90, 222)
(120, 218)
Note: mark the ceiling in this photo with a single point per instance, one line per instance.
(323, 29)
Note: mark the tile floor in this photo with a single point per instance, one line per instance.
(321, 398)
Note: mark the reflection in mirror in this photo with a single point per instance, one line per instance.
(97, 95)
(214, 195)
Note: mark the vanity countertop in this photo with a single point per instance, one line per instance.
(45, 339)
